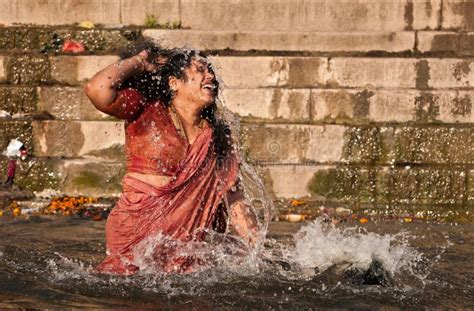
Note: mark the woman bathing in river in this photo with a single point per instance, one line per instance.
(181, 164)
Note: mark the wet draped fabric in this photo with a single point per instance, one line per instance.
(183, 210)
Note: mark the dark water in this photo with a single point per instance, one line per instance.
(44, 263)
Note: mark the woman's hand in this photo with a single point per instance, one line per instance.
(150, 65)
(244, 222)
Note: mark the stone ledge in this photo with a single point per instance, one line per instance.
(343, 106)
(304, 41)
(397, 106)
(295, 72)
(284, 15)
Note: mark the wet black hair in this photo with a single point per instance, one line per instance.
(155, 87)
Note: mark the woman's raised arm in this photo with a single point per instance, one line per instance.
(101, 89)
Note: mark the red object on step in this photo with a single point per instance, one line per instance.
(73, 46)
(11, 168)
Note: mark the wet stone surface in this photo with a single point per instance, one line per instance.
(18, 99)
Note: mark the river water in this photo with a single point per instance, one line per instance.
(46, 262)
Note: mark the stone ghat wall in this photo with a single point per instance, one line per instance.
(359, 103)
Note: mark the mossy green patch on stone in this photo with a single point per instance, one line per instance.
(324, 183)
(18, 99)
(26, 69)
(345, 184)
(88, 179)
(93, 178)
(115, 152)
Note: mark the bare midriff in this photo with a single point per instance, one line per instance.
(152, 179)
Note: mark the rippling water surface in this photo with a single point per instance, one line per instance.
(46, 263)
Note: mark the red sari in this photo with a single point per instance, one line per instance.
(183, 210)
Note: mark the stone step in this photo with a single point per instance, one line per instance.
(265, 71)
(336, 144)
(314, 15)
(269, 143)
(276, 104)
(332, 183)
(301, 41)
(105, 40)
(376, 185)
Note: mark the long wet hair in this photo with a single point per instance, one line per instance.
(155, 87)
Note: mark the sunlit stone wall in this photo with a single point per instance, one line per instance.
(359, 103)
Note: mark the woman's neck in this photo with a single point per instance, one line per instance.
(189, 115)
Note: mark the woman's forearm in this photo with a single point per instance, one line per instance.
(244, 222)
(101, 89)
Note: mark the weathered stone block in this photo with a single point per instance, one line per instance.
(289, 181)
(74, 139)
(426, 14)
(345, 184)
(92, 178)
(372, 72)
(362, 145)
(450, 73)
(134, 12)
(77, 69)
(54, 12)
(20, 130)
(458, 14)
(68, 103)
(251, 72)
(28, 69)
(359, 42)
(421, 186)
(18, 99)
(451, 43)
(295, 144)
(269, 104)
(434, 145)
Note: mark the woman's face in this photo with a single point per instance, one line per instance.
(199, 86)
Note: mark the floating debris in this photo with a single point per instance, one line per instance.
(293, 217)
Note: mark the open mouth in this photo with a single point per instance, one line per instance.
(210, 86)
